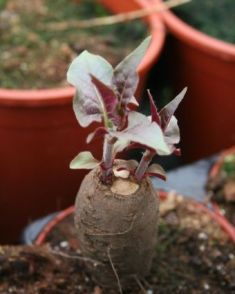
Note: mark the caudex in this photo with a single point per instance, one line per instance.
(116, 209)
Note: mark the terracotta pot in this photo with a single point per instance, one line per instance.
(207, 66)
(218, 218)
(39, 137)
(213, 173)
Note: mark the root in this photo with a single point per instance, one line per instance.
(114, 271)
(86, 259)
(118, 233)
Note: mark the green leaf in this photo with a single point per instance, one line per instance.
(125, 77)
(84, 160)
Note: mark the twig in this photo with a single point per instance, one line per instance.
(121, 17)
(114, 271)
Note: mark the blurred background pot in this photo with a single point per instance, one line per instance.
(221, 185)
(207, 66)
(39, 136)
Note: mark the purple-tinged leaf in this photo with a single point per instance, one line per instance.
(125, 77)
(87, 64)
(108, 101)
(99, 132)
(157, 171)
(87, 106)
(154, 113)
(120, 145)
(86, 109)
(172, 132)
(133, 101)
(84, 160)
(132, 146)
(167, 111)
(142, 130)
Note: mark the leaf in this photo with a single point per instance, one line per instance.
(86, 109)
(154, 113)
(108, 101)
(86, 104)
(99, 132)
(168, 110)
(157, 171)
(120, 145)
(143, 131)
(125, 77)
(172, 132)
(84, 160)
(87, 64)
(133, 101)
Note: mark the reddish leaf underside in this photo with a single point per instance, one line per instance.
(167, 111)
(109, 100)
(154, 113)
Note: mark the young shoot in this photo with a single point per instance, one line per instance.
(104, 95)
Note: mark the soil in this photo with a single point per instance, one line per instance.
(193, 256)
(35, 53)
(221, 187)
(213, 17)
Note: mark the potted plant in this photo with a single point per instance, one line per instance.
(205, 57)
(37, 129)
(117, 210)
(221, 185)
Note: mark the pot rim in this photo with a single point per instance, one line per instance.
(216, 216)
(186, 33)
(63, 95)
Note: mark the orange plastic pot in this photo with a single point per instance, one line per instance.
(207, 66)
(218, 218)
(39, 136)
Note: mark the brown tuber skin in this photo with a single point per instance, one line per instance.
(117, 228)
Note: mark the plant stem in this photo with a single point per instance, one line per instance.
(107, 160)
(143, 165)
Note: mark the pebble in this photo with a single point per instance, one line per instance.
(202, 236)
(206, 286)
(219, 267)
(231, 256)
(64, 244)
(202, 248)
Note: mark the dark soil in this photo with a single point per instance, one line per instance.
(193, 256)
(221, 187)
(213, 17)
(34, 53)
